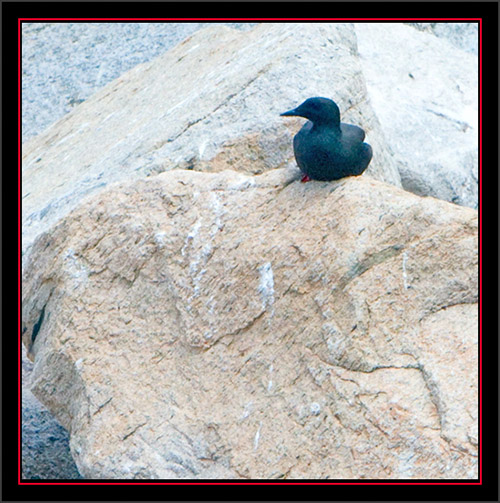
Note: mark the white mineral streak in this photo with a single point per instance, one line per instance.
(266, 287)
(270, 383)
(76, 268)
(257, 437)
(405, 277)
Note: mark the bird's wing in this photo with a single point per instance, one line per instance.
(354, 133)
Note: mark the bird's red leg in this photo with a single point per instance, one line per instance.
(305, 179)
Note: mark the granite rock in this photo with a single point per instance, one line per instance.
(426, 99)
(224, 325)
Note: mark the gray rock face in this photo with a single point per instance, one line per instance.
(464, 36)
(65, 63)
(425, 95)
(45, 443)
(214, 325)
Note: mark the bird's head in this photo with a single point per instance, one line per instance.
(320, 111)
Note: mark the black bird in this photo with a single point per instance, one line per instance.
(325, 148)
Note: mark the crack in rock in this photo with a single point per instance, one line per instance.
(372, 260)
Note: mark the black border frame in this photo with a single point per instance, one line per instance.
(488, 490)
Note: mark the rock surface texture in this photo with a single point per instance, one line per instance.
(426, 99)
(206, 325)
(163, 114)
(45, 443)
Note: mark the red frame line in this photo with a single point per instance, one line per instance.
(480, 346)
(19, 196)
(479, 482)
(244, 19)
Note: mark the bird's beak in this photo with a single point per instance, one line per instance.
(290, 113)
